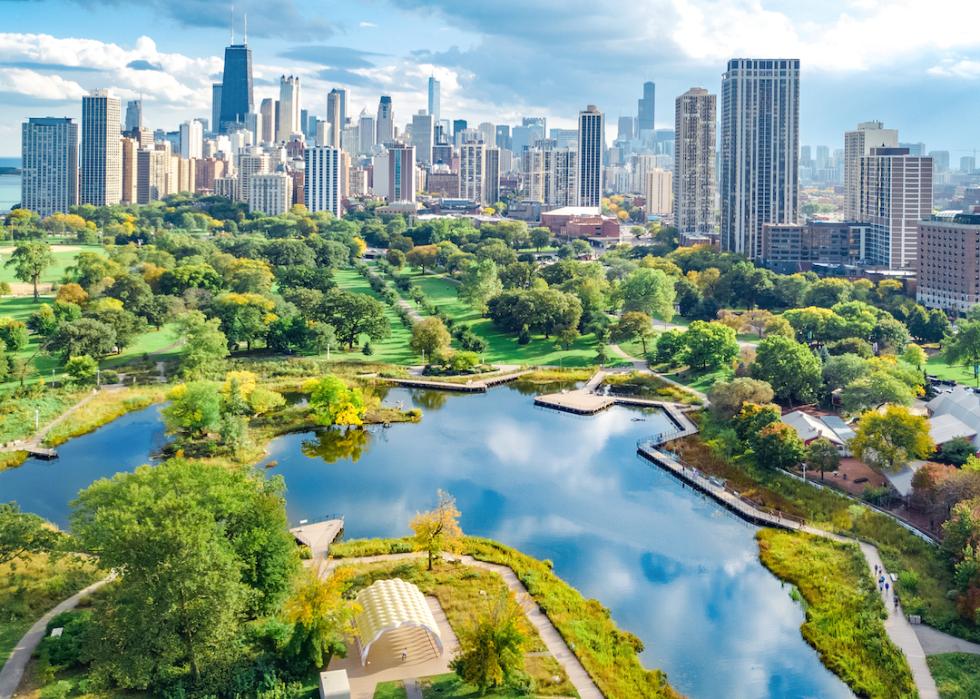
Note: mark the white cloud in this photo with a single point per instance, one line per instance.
(367, 25)
(950, 68)
(31, 83)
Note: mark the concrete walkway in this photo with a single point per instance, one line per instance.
(553, 640)
(412, 689)
(13, 670)
(935, 641)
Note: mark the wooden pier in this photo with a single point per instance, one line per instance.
(477, 385)
(39, 452)
(319, 535)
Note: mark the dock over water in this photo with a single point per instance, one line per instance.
(318, 535)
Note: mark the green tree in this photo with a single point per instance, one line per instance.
(85, 336)
(778, 446)
(890, 438)
(709, 345)
(670, 347)
(822, 455)
(491, 646)
(205, 346)
(540, 237)
(752, 417)
(480, 283)
(789, 367)
(198, 549)
(333, 402)
(964, 347)
(633, 325)
(23, 533)
(438, 529)
(429, 337)
(874, 389)
(841, 370)
(650, 291)
(422, 256)
(351, 315)
(13, 334)
(29, 260)
(194, 409)
(83, 370)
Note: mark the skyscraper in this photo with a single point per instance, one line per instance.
(49, 182)
(215, 107)
(658, 190)
(694, 161)
(130, 167)
(101, 150)
(289, 109)
(646, 108)
(134, 115)
(896, 193)
(472, 171)
(590, 146)
(400, 184)
(236, 87)
(549, 174)
(760, 126)
(335, 119)
(422, 137)
(272, 193)
(322, 180)
(268, 111)
(191, 139)
(435, 99)
(366, 133)
(491, 175)
(459, 125)
(857, 144)
(502, 137)
(626, 128)
(385, 122)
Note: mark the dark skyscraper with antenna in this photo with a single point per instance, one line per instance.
(236, 84)
(645, 108)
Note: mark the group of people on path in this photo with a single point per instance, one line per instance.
(885, 586)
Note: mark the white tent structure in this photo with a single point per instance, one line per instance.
(390, 605)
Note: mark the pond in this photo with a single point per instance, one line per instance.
(674, 568)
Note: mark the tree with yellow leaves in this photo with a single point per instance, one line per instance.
(437, 530)
(321, 618)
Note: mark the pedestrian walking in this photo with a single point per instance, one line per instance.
(886, 588)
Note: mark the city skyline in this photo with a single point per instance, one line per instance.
(175, 66)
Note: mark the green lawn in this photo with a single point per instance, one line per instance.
(390, 690)
(937, 366)
(64, 257)
(152, 342)
(393, 349)
(502, 347)
(700, 380)
(21, 308)
(451, 687)
(957, 675)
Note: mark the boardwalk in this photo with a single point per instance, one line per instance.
(476, 385)
(553, 640)
(318, 535)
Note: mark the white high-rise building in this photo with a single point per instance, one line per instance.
(323, 180)
(49, 180)
(896, 193)
(760, 152)
(549, 175)
(385, 121)
(642, 164)
(152, 174)
(488, 133)
(422, 135)
(694, 161)
(250, 163)
(472, 167)
(857, 144)
(435, 99)
(191, 139)
(289, 109)
(272, 193)
(591, 144)
(395, 176)
(659, 192)
(366, 134)
(101, 150)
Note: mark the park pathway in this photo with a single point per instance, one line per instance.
(35, 441)
(553, 640)
(13, 670)
(935, 641)
(642, 365)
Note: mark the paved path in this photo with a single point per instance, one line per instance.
(641, 366)
(36, 440)
(638, 364)
(13, 671)
(935, 641)
(553, 640)
(412, 689)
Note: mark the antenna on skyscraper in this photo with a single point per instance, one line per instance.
(245, 30)
(232, 25)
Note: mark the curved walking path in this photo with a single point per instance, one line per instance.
(553, 640)
(642, 365)
(13, 670)
(935, 641)
(35, 441)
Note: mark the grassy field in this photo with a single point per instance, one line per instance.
(393, 349)
(957, 675)
(451, 687)
(17, 414)
(104, 408)
(937, 366)
(30, 587)
(502, 347)
(844, 611)
(64, 257)
(390, 690)
(700, 380)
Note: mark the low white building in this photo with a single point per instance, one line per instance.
(810, 428)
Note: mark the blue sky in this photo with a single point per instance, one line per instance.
(911, 63)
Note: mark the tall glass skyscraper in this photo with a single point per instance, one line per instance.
(236, 87)
(50, 170)
(646, 108)
(591, 144)
(434, 99)
(101, 150)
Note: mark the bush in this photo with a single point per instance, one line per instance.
(82, 370)
(109, 377)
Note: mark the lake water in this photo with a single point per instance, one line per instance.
(674, 568)
(9, 192)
